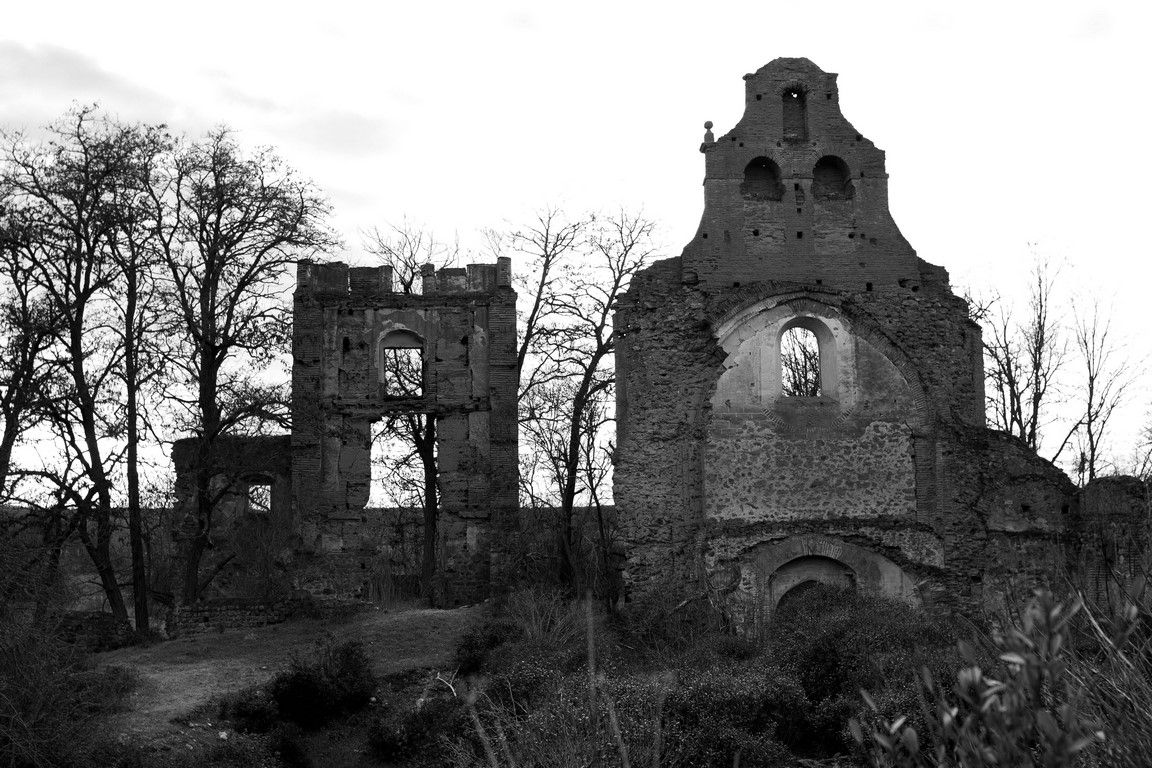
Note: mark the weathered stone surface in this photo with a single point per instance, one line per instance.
(888, 480)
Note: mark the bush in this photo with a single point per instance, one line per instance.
(423, 732)
(480, 639)
(720, 711)
(252, 710)
(1030, 715)
(51, 704)
(288, 742)
(339, 680)
(839, 642)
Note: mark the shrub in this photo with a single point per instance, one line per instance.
(288, 742)
(403, 735)
(1030, 715)
(252, 710)
(839, 642)
(480, 639)
(721, 711)
(311, 693)
(51, 705)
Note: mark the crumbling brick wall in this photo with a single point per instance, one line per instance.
(720, 475)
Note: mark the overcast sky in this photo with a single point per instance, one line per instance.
(1005, 123)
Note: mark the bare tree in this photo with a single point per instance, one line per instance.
(63, 220)
(233, 224)
(1023, 362)
(27, 328)
(800, 363)
(576, 270)
(1105, 382)
(411, 470)
(136, 253)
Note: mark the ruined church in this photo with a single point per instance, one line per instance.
(880, 475)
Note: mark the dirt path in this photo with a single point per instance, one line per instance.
(180, 675)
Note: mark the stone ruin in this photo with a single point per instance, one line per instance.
(460, 334)
(883, 477)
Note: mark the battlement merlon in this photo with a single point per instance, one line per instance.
(337, 280)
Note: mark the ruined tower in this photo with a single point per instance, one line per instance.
(458, 336)
(881, 475)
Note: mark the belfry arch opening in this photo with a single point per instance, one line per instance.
(831, 179)
(795, 103)
(762, 180)
(400, 362)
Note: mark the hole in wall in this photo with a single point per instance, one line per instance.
(867, 286)
(705, 235)
(799, 363)
(762, 180)
(755, 233)
(758, 97)
(401, 364)
(859, 137)
(799, 235)
(831, 180)
(347, 345)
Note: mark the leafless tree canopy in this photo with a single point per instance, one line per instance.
(800, 363)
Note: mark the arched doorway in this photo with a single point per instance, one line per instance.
(801, 573)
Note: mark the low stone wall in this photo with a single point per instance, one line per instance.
(226, 614)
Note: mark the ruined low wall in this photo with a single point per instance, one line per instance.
(243, 613)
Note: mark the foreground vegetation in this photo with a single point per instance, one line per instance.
(547, 681)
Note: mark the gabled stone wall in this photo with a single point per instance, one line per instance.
(888, 479)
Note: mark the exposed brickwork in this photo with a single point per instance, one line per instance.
(890, 471)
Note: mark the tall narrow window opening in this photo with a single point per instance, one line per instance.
(799, 363)
(401, 364)
(795, 115)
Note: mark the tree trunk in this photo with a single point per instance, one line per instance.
(427, 450)
(135, 525)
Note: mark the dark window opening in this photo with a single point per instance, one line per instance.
(762, 180)
(799, 363)
(795, 115)
(401, 364)
(831, 180)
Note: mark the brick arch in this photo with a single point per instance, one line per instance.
(747, 306)
(783, 565)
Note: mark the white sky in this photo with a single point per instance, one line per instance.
(1005, 123)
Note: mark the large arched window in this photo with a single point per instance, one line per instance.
(762, 180)
(400, 360)
(799, 363)
(795, 114)
(831, 180)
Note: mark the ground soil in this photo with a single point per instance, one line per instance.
(180, 678)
